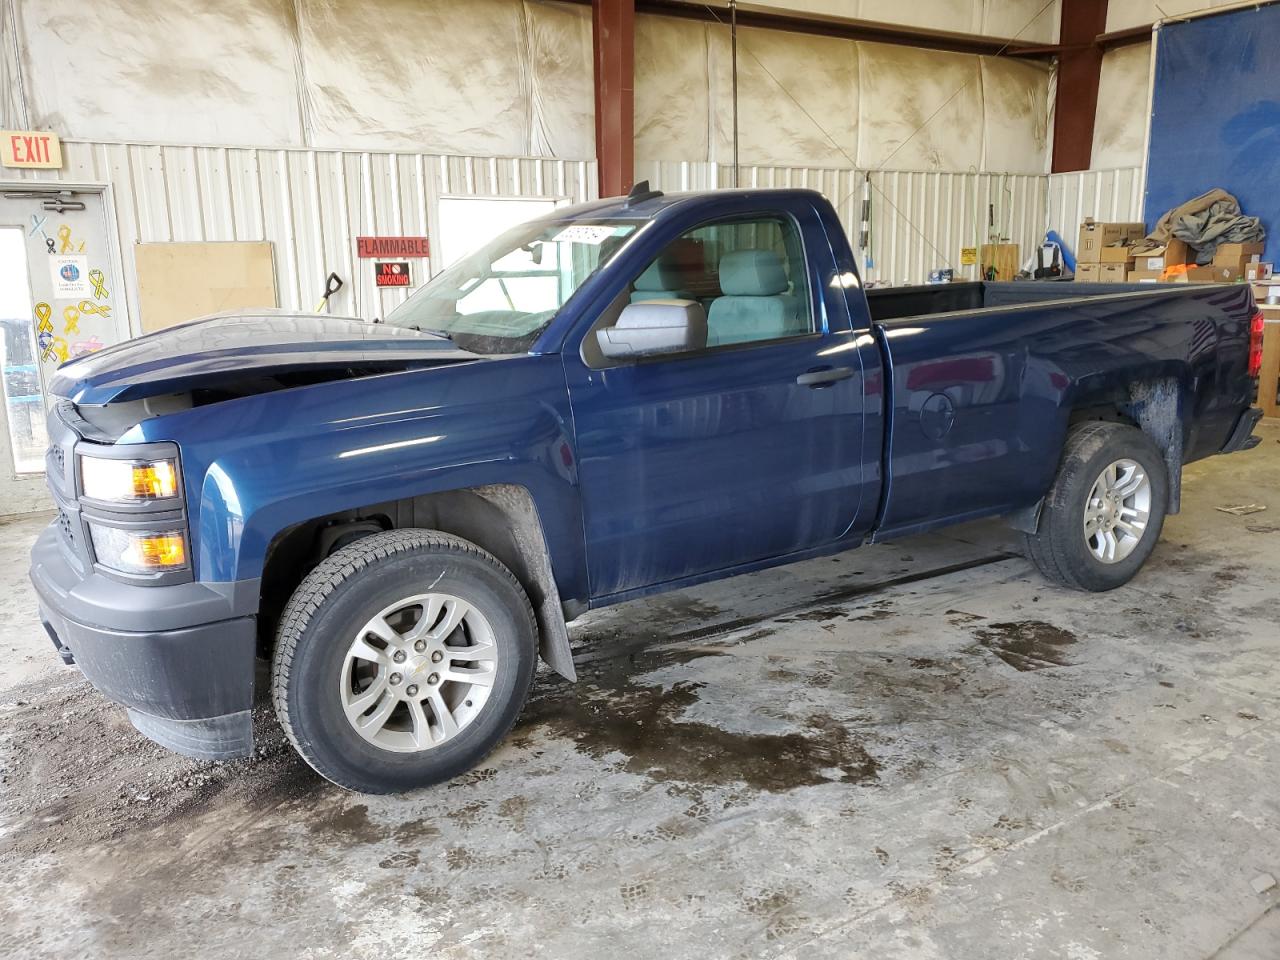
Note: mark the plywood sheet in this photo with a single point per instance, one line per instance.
(178, 282)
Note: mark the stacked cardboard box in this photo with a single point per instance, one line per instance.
(1103, 254)
(1230, 260)
(1151, 263)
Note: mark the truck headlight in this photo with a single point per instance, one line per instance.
(139, 551)
(128, 481)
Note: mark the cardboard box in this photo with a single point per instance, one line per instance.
(1229, 253)
(1113, 272)
(1145, 276)
(1095, 235)
(1122, 254)
(1088, 272)
(1257, 270)
(1229, 272)
(1193, 275)
(1172, 254)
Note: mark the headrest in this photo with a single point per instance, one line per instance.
(659, 275)
(752, 273)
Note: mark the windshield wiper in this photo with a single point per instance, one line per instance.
(443, 334)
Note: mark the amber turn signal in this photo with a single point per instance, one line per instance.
(128, 480)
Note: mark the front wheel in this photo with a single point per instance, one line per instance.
(1102, 516)
(402, 660)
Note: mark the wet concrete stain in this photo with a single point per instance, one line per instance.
(614, 713)
(818, 615)
(1027, 645)
(592, 648)
(878, 614)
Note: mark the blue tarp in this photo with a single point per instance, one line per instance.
(1216, 115)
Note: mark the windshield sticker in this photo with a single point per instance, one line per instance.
(593, 234)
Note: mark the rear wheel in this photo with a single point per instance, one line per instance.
(1103, 515)
(402, 660)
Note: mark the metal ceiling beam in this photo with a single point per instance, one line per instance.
(1079, 72)
(613, 30)
(755, 15)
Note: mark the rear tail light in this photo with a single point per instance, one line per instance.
(1255, 344)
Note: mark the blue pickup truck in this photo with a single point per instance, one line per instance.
(623, 397)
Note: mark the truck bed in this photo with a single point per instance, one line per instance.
(894, 303)
(984, 382)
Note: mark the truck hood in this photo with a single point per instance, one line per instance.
(244, 352)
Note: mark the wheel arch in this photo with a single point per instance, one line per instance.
(1154, 404)
(501, 518)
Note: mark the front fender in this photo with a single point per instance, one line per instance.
(257, 465)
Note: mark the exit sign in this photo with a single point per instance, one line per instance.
(30, 148)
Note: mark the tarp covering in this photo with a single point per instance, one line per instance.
(1216, 117)
(498, 77)
(818, 101)
(514, 78)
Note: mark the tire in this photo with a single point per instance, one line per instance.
(1063, 548)
(325, 653)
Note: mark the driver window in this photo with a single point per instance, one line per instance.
(748, 274)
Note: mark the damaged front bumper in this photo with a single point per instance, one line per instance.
(179, 657)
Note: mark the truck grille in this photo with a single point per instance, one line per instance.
(60, 475)
(64, 525)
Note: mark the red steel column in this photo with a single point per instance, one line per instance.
(613, 29)
(1079, 69)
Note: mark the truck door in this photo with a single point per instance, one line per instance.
(749, 449)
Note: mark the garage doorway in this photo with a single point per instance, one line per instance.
(60, 298)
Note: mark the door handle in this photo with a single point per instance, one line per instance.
(823, 377)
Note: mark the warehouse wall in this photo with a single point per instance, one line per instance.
(921, 219)
(499, 77)
(310, 204)
(1107, 195)
(1119, 135)
(809, 100)
(514, 78)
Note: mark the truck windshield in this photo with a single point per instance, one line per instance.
(500, 298)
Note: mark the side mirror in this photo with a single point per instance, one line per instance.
(653, 327)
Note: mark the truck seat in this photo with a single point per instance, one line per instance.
(660, 281)
(756, 304)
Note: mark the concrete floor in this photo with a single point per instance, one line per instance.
(914, 750)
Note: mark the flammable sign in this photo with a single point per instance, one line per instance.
(391, 273)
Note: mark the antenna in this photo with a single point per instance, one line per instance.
(640, 193)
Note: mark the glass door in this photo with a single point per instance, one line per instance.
(59, 300)
(19, 366)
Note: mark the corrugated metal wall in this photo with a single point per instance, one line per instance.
(1108, 195)
(920, 219)
(310, 204)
